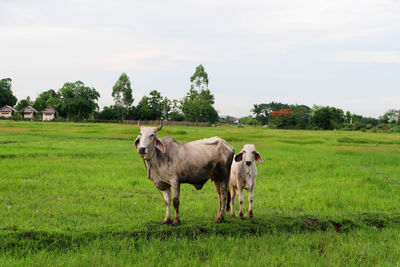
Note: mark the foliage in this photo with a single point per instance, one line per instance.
(49, 98)
(77, 101)
(23, 103)
(295, 117)
(282, 118)
(153, 107)
(122, 93)
(197, 105)
(6, 94)
(175, 114)
(262, 112)
(199, 79)
(110, 113)
(327, 118)
(249, 120)
(391, 115)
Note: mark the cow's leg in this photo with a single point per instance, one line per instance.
(224, 187)
(233, 197)
(251, 194)
(218, 189)
(241, 200)
(175, 201)
(167, 200)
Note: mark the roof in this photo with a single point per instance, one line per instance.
(7, 108)
(49, 110)
(30, 108)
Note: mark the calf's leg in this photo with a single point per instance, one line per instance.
(233, 197)
(241, 200)
(251, 194)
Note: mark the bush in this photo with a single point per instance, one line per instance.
(249, 120)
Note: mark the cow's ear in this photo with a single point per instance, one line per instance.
(239, 156)
(258, 158)
(160, 145)
(137, 141)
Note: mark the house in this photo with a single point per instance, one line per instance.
(29, 112)
(48, 113)
(7, 111)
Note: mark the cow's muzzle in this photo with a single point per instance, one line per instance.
(142, 150)
(248, 163)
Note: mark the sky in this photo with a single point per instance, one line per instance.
(341, 53)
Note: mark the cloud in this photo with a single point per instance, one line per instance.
(392, 57)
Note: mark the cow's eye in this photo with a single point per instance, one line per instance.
(152, 135)
(140, 134)
(254, 152)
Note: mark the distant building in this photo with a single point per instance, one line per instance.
(29, 112)
(228, 119)
(48, 114)
(7, 111)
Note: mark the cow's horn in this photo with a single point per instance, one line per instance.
(159, 127)
(139, 124)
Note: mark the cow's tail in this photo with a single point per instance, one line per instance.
(228, 200)
(228, 169)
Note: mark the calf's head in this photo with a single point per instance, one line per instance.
(147, 142)
(249, 154)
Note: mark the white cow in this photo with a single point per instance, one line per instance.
(243, 176)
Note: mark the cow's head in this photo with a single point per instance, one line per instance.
(147, 142)
(249, 154)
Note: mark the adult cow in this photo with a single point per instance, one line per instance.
(170, 163)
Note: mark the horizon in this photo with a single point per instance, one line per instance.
(327, 53)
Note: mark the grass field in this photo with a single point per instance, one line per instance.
(77, 194)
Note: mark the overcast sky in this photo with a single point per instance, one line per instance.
(341, 53)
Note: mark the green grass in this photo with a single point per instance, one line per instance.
(77, 194)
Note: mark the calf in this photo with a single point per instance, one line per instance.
(243, 176)
(170, 163)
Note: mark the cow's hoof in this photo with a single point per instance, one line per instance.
(219, 220)
(241, 216)
(176, 223)
(166, 221)
(251, 214)
(233, 215)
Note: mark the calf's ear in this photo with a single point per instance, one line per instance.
(239, 156)
(137, 141)
(160, 145)
(258, 158)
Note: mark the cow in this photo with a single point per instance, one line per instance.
(243, 176)
(170, 163)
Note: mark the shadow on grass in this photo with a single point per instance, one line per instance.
(18, 242)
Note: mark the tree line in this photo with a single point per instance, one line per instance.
(285, 116)
(77, 102)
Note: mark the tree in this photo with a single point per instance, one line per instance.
(78, 101)
(327, 117)
(153, 107)
(109, 113)
(263, 111)
(199, 78)
(6, 94)
(197, 105)
(23, 103)
(49, 98)
(122, 93)
(175, 113)
(390, 116)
